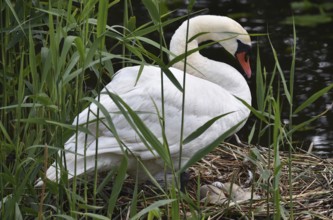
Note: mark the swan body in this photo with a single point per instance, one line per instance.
(211, 88)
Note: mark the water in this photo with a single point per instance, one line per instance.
(314, 63)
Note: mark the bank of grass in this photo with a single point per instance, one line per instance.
(49, 53)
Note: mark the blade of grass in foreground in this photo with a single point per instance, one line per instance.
(152, 207)
(277, 162)
(291, 109)
(284, 82)
(206, 149)
(117, 186)
(101, 21)
(141, 129)
(313, 98)
(203, 128)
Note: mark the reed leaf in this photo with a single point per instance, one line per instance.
(146, 136)
(281, 74)
(107, 118)
(67, 126)
(88, 8)
(10, 6)
(165, 69)
(261, 115)
(67, 44)
(134, 203)
(277, 161)
(152, 207)
(92, 215)
(32, 62)
(175, 206)
(66, 217)
(206, 149)
(153, 10)
(117, 186)
(305, 123)
(101, 21)
(313, 98)
(203, 128)
(182, 56)
(5, 133)
(149, 28)
(260, 86)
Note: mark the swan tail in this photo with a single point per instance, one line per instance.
(78, 166)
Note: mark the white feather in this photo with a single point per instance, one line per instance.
(210, 90)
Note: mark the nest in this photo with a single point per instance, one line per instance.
(304, 184)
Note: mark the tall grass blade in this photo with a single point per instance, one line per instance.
(152, 207)
(81, 50)
(181, 57)
(134, 202)
(32, 62)
(152, 7)
(106, 180)
(10, 6)
(117, 186)
(277, 162)
(67, 126)
(101, 21)
(165, 69)
(106, 116)
(175, 206)
(292, 68)
(141, 129)
(148, 28)
(203, 128)
(114, 2)
(284, 82)
(260, 115)
(260, 86)
(206, 149)
(291, 89)
(87, 9)
(313, 98)
(305, 123)
(92, 215)
(66, 217)
(18, 214)
(5, 133)
(253, 129)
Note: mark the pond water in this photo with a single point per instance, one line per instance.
(314, 59)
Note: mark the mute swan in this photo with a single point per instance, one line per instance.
(211, 88)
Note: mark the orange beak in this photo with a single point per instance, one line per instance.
(245, 63)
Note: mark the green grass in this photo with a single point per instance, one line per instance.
(49, 52)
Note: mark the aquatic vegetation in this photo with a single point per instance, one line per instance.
(56, 56)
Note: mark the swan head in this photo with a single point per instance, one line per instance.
(223, 30)
(243, 57)
(228, 33)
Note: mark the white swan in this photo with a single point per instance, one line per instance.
(210, 90)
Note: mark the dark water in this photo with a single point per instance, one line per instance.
(314, 62)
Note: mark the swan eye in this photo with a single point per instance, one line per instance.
(241, 47)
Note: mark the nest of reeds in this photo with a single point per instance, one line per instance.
(304, 184)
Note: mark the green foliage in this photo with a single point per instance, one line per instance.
(50, 50)
(313, 13)
(268, 113)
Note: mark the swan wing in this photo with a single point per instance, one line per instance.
(203, 101)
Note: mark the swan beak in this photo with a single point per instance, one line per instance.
(244, 61)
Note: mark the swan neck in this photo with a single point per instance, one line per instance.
(216, 72)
